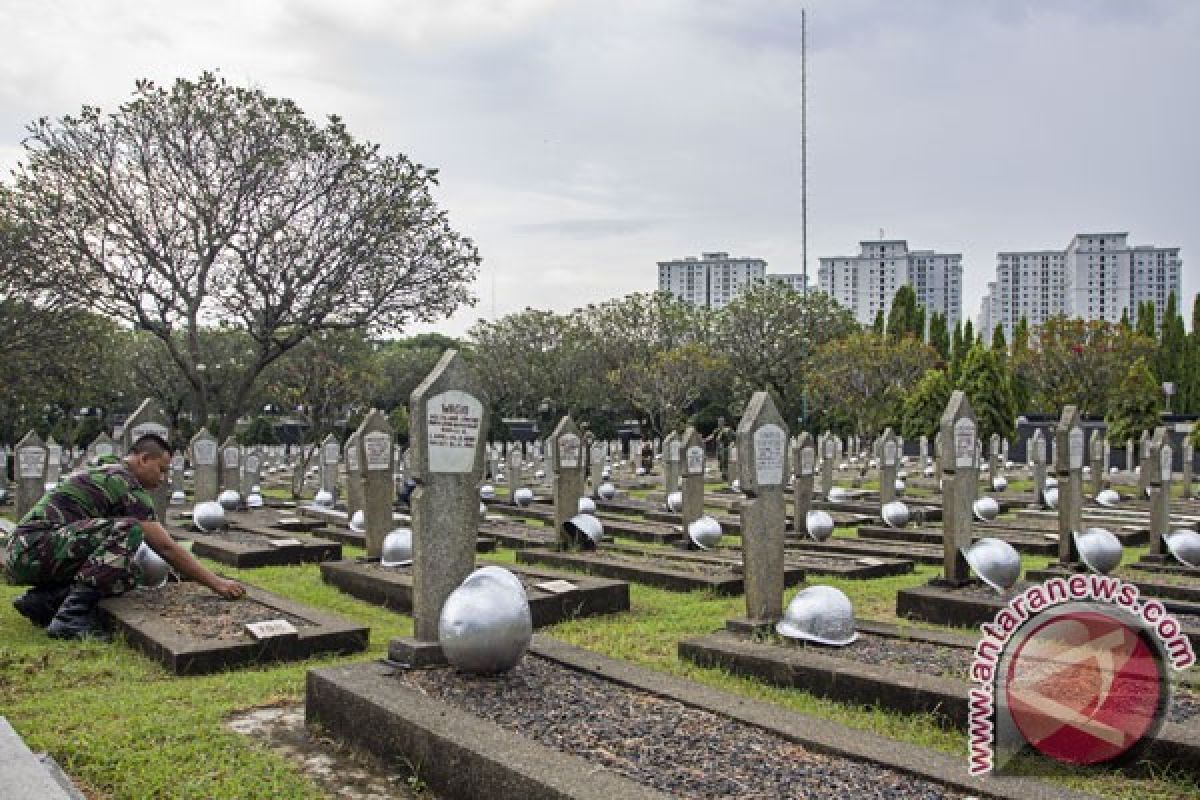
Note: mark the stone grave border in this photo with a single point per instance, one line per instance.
(311, 549)
(463, 755)
(395, 591)
(184, 655)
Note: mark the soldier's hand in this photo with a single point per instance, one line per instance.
(230, 590)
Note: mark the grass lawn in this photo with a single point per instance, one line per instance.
(124, 728)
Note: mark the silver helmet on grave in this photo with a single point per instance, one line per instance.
(705, 532)
(523, 496)
(820, 614)
(819, 525)
(995, 561)
(178, 498)
(999, 483)
(1051, 498)
(1109, 498)
(899, 486)
(640, 471)
(486, 626)
(323, 499)
(927, 472)
(986, 509)
(1099, 549)
(1184, 544)
(6, 526)
(1051, 482)
(606, 491)
(153, 568)
(397, 548)
(358, 521)
(586, 530)
(539, 474)
(586, 505)
(254, 500)
(487, 492)
(895, 514)
(675, 502)
(229, 500)
(209, 515)
(838, 495)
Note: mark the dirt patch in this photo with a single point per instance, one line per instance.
(198, 613)
(342, 772)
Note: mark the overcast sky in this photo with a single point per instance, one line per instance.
(581, 142)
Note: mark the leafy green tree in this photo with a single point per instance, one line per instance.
(939, 336)
(664, 388)
(924, 405)
(1145, 320)
(1135, 405)
(1189, 390)
(1172, 348)
(906, 318)
(957, 350)
(1125, 323)
(968, 337)
(260, 431)
(878, 325)
(207, 201)
(999, 345)
(1019, 364)
(987, 384)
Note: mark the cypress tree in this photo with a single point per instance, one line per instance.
(1145, 320)
(985, 380)
(998, 342)
(956, 350)
(939, 337)
(877, 327)
(1172, 349)
(1124, 323)
(968, 335)
(1189, 392)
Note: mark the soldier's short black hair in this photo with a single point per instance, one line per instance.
(151, 444)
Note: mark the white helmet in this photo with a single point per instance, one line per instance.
(153, 568)
(606, 491)
(358, 521)
(1099, 549)
(819, 614)
(705, 532)
(586, 530)
(397, 548)
(675, 502)
(586, 505)
(1051, 497)
(486, 626)
(523, 496)
(819, 525)
(995, 561)
(229, 500)
(999, 483)
(209, 515)
(1108, 498)
(1184, 544)
(324, 499)
(895, 514)
(986, 509)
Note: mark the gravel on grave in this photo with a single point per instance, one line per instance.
(246, 538)
(530, 582)
(200, 613)
(661, 743)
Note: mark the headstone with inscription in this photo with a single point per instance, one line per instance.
(354, 474)
(513, 473)
(1143, 464)
(889, 460)
(54, 461)
(331, 457)
(828, 456)
(178, 462)
(804, 462)
(1130, 456)
(204, 467)
(994, 458)
(672, 447)
(449, 428)
(1037, 453)
(923, 447)
(566, 454)
(1096, 462)
(1188, 457)
(596, 459)
(1072, 451)
(1159, 466)
(691, 465)
(149, 419)
(937, 454)
(251, 470)
(101, 447)
(960, 477)
(762, 443)
(29, 472)
(231, 465)
(369, 454)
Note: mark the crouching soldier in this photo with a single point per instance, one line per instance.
(77, 544)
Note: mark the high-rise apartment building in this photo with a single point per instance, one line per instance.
(1097, 276)
(712, 280)
(865, 284)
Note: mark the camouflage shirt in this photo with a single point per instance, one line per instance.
(109, 491)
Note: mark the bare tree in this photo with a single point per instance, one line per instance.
(208, 202)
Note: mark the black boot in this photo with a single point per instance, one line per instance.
(78, 618)
(40, 604)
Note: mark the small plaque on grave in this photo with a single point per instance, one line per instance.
(32, 461)
(270, 628)
(1075, 438)
(453, 420)
(352, 458)
(1164, 458)
(889, 454)
(331, 453)
(104, 449)
(829, 449)
(204, 451)
(964, 443)
(1039, 451)
(769, 443)
(808, 459)
(557, 587)
(568, 451)
(231, 457)
(177, 463)
(378, 447)
(674, 450)
(285, 542)
(252, 463)
(695, 460)
(147, 428)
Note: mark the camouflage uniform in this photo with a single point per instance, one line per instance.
(85, 531)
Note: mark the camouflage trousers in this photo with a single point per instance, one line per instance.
(97, 553)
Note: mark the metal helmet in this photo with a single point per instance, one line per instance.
(899, 486)
(585, 529)
(838, 495)
(151, 565)
(640, 471)
(705, 532)
(3, 495)
(927, 472)
(50, 486)
(324, 499)
(1113, 470)
(675, 502)
(1087, 470)
(485, 626)
(895, 514)
(1051, 482)
(397, 548)
(256, 489)
(1099, 549)
(209, 515)
(587, 505)
(986, 509)
(606, 491)
(178, 498)
(6, 526)
(1051, 497)
(819, 525)
(606, 472)
(229, 500)
(820, 614)
(736, 485)
(1184, 544)
(254, 500)
(902, 474)
(358, 521)
(482, 509)
(541, 473)
(487, 492)
(523, 496)
(999, 483)
(1109, 498)
(499, 477)
(995, 561)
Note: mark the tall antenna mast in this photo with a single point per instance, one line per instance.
(804, 150)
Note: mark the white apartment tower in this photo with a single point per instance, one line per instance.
(1098, 276)
(712, 280)
(867, 283)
